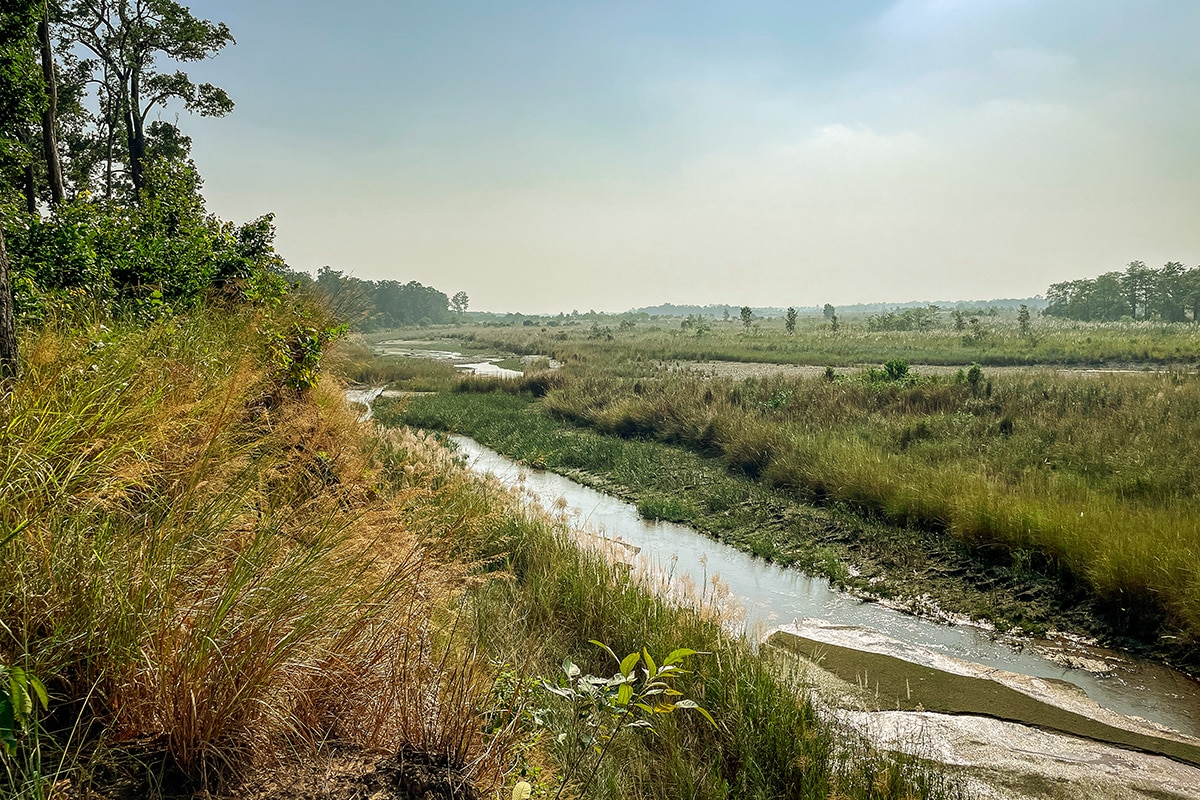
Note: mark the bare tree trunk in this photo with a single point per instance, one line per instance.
(50, 115)
(136, 135)
(8, 333)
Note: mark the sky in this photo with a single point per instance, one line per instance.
(551, 156)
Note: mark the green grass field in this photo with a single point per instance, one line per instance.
(1093, 477)
(998, 342)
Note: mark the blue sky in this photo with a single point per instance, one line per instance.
(546, 156)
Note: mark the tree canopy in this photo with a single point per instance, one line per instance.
(1170, 294)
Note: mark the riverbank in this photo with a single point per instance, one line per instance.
(984, 734)
(929, 572)
(231, 586)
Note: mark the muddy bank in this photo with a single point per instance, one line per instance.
(995, 758)
(958, 687)
(1011, 734)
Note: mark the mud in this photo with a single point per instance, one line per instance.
(359, 775)
(952, 686)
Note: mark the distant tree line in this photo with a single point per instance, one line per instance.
(1170, 294)
(373, 305)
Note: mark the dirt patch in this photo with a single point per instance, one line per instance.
(360, 775)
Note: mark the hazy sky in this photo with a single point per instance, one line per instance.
(548, 156)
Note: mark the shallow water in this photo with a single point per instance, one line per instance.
(364, 397)
(487, 369)
(773, 596)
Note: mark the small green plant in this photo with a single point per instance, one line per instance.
(20, 694)
(603, 707)
(297, 354)
(975, 378)
(513, 716)
(896, 369)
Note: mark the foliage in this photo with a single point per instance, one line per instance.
(21, 93)
(373, 305)
(602, 707)
(297, 348)
(20, 695)
(908, 319)
(1171, 293)
(96, 258)
(126, 39)
(693, 322)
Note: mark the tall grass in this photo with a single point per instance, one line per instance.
(770, 741)
(215, 576)
(1102, 476)
(209, 573)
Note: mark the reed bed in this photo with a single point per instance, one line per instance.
(1098, 476)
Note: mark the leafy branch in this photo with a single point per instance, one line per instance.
(639, 690)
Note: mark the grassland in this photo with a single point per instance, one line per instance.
(1092, 481)
(925, 571)
(998, 341)
(221, 581)
(1097, 478)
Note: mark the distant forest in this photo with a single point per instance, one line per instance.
(371, 305)
(1170, 294)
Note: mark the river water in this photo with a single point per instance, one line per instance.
(775, 597)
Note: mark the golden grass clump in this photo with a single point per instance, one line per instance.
(209, 572)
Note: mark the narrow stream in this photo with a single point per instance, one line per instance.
(776, 597)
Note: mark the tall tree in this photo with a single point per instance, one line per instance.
(20, 100)
(128, 37)
(8, 333)
(1138, 283)
(54, 175)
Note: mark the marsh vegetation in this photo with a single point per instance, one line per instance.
(1084, 481)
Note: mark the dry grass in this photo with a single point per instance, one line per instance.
(210, 573)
